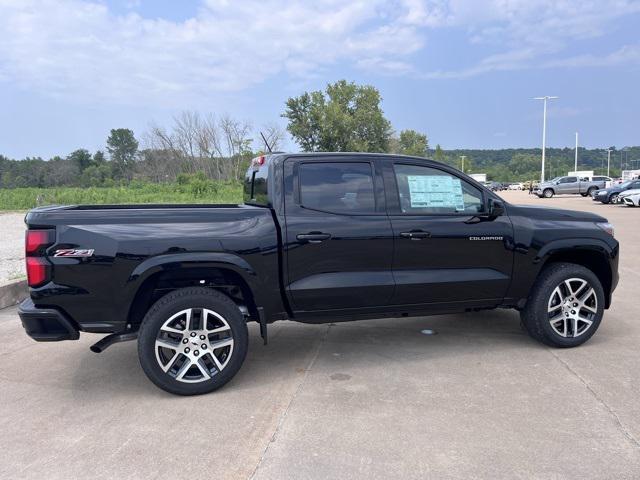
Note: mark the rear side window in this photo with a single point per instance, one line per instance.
(337, 187)
(426, 190)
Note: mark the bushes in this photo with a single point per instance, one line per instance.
(188, 189)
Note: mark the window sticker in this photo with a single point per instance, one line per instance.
(428, 191)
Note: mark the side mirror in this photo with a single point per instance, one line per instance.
(495, 207)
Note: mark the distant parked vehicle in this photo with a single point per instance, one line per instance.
(627, 193)
(569, 185)
(610, 195)
(516, 186)
(632, 200)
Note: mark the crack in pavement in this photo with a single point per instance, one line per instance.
(634, 441)
(291, 400)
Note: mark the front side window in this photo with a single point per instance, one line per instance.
(426, 190)
(343, 187)
(568, 180)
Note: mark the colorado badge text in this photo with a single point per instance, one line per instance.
(486, 238)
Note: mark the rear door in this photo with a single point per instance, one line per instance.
(338, 237)
(443, 253)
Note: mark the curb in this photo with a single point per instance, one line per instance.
(13, 292)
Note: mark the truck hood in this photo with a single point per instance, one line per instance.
(546, 213)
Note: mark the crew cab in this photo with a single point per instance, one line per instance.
(571, 185)
(321, 237)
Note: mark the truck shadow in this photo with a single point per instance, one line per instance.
(295, 348)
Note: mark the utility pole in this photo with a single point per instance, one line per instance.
(544, 131)
(608, 160)
(462, 157)
(575, 168)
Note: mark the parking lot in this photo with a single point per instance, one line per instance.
(369, 399)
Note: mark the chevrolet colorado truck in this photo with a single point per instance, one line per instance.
(320, 238)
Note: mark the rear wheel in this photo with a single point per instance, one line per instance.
(548, 193)
(591, 190)
(192, 341)
(565, 307)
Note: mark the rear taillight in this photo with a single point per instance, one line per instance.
(37, 239)
(38, 269)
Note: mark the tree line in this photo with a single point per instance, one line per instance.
(344, 117)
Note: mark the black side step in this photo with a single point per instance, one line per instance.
(105, 342)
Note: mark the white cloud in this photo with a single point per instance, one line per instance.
(531, 34)
(82, 50)
(71, 48)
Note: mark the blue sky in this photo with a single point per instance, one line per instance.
(462, 71)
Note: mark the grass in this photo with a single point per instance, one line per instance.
(136, 192)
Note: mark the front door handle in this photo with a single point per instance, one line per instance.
(415, 234)
(313, 237)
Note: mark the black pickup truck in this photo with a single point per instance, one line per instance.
(320, 238)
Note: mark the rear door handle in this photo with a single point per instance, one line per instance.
(313, 237)
(415, 234)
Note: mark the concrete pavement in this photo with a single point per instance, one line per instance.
(370, 399)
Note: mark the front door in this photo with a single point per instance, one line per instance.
(568, 185)
(443, 252)
(338, 237)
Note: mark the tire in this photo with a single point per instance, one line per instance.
(612, 198)
(591, 190)
(583, 194)
(192, 364)
(548, 193)
(546, 303)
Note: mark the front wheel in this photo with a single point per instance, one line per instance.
(192, 341)
(613, 198)
(565, 307)
(548, 193)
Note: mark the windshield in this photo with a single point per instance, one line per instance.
(553, 180)
(626, 184)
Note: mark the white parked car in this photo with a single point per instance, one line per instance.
(516, 186)
(630, 198)
(625, 193)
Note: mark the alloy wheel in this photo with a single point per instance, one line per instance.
(572, 307)
(194, 345)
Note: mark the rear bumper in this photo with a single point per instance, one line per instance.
(46, 324)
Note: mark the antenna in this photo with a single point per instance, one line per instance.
(265, 142)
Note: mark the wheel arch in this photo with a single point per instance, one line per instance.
(157, 277)
(593, 255)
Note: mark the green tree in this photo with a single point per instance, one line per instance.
(81, 158)
(439, 155)
(123, 149)
(99, 158)
(346, 117)
(413, 143)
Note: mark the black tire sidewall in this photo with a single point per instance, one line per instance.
(173, 303)
(547, 193)
(535, 315)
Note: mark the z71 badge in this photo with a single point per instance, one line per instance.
(74, 252)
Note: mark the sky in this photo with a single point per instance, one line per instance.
(462, 71)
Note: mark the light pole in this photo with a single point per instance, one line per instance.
(544, 131)
(608, 160)
(575, 168)
(462, 157)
